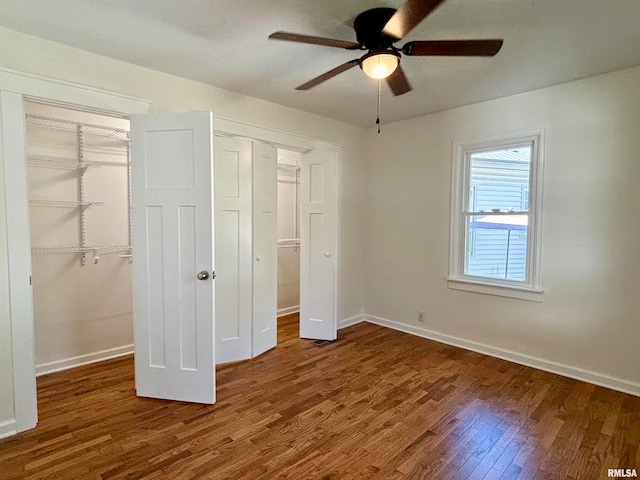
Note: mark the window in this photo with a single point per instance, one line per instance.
(496, 215)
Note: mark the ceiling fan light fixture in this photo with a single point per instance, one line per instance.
(379, 65)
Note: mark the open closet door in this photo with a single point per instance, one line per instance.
(318, 241)
(233, 210)
(171, 182)
(265, 249)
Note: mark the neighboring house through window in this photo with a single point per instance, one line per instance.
(496, 215)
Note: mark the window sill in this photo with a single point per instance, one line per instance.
(501, 290)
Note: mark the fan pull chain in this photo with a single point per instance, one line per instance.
(379, 97)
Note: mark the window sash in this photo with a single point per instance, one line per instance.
(460, 211)
(469, 217)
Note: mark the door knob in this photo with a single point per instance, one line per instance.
(203, 275)
(327, 254)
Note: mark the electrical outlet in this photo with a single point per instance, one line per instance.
(420, 316)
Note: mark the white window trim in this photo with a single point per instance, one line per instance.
(531, 288)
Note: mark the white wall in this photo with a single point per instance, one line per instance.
(173, 94)
(590, 316)
(82, 313)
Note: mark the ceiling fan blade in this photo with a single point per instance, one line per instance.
(327, 75)
(473, 48)
(398, 82)
(408, 16)
(327, 42)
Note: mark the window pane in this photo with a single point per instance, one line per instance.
(497, 242)
(500, 180)
(497, 246)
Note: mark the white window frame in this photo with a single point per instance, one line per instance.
(531, 287)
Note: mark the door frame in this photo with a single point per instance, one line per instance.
(226, 127)
(15, 88)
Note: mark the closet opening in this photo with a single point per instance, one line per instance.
(288, 199)
(26, 92)
(78, 180)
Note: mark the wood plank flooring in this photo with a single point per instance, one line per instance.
(376, 404)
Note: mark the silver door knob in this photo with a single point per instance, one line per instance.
(203, 275)
(327, 254)
(258, 259)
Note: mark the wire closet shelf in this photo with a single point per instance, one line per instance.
(79, 164)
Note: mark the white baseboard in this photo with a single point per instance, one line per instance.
(576, 373)
(347, 322)
(288, 310)
(86, 359)
(8, 428)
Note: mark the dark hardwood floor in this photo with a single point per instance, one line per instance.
(375, 404)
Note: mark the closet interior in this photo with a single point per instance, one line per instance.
(288, 232)
(80, 218)
(79, 198)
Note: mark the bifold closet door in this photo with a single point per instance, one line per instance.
(233, 240)
(265, 250)
(246, 239)
(171, 180)
(318, 245)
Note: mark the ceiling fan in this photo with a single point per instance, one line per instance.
(377, 30)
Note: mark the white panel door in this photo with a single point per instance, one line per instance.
(318, 245)
(233, 226)
(171, 181)
(265, 250)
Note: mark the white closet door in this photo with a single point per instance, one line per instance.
(233, 226)
(318, 245)
(171, 182)
(265, 253)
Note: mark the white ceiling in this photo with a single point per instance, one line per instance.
(224, 43)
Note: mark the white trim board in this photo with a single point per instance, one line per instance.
(8, 428)
(347, 322)
(72, 362)
(276, 138)
(576, 373)
(288, 310)
(61, 92)
(14, 191)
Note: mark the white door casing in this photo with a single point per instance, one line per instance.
(233, 232)
(19, 294)
(318, 245)
(265, 253)
(15, 87)
(172, 201)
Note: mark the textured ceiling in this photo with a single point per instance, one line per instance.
(224, 43)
